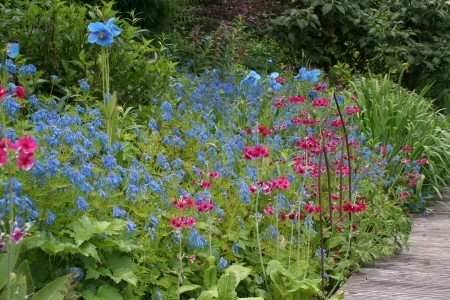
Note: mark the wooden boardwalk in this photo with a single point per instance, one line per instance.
(420, 273)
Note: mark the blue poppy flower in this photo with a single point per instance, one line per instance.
(101, 34)
(113, 28)
(251, 79)
(12, 50)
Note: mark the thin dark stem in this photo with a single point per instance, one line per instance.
(348, 151)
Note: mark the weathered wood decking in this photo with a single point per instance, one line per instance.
(422, 272)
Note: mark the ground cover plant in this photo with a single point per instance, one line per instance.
(221, 186)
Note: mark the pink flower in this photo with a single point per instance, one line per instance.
(297, 99)
(20, 92)
(214, 174)
(25, 160)
(269, 210)
(2, 245)
(206, 184)
(27, 144)
(176, 223)
(17, 236)
(189, 222)
(2, 93)
(3, 156)
(192, 258)
(8, 144)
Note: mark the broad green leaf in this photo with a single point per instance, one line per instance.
(210, 277)
(24, 269)
(327, 8)
(187, 288)
(107, 292)
(209, 295)
(55, 290)
(18, 288)
(240, 271)
(226, 286)
(4, 264)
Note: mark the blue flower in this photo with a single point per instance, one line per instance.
(114, 29)
(131, 226)
(12, 50)
(11, 108)
(311, 76)
(222, 263)
(27, 70)
(103, 34)
(273, 82)
(84, 85)
(82, 205)
(251, 79)
(118, 212)
(196, 240)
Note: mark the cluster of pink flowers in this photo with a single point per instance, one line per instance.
(422, 161)
(313, 209)
(323, 102)
(351, 110)
(297, 99)
(304, 121)
(264, 131)
(403, 195)
(269, 186)
(24, 150)
(348, 207)
(407, 148)
(255, 152)
(182, 221)
(337, 123)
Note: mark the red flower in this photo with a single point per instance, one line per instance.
(347, 207)
(206, 184)
(26, 144)
(20, 92)
(269, 210)
(25, 160)
(214, 174)
(2, 93)
(18, 235)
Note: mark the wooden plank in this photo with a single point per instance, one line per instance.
(420, 272)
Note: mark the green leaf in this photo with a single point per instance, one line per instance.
(327, 8)
(209, 295)
(210, 277)
(4, 264)
(226, 286)
(187, 288)
(107, 292)
(55, 290)
(24, 269)
(240, 271)
(18, 288)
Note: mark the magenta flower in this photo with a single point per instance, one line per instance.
(27, 144)
(18, 235)
(25, 161)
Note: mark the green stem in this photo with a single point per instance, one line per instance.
(180, 270)
(259, 246)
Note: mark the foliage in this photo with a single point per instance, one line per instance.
(228, 184)
(392, 116)
(55, 42)
(151, 14)
(406, 36)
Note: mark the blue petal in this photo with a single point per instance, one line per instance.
(13, 50)
(97, 26)
(93, 37)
